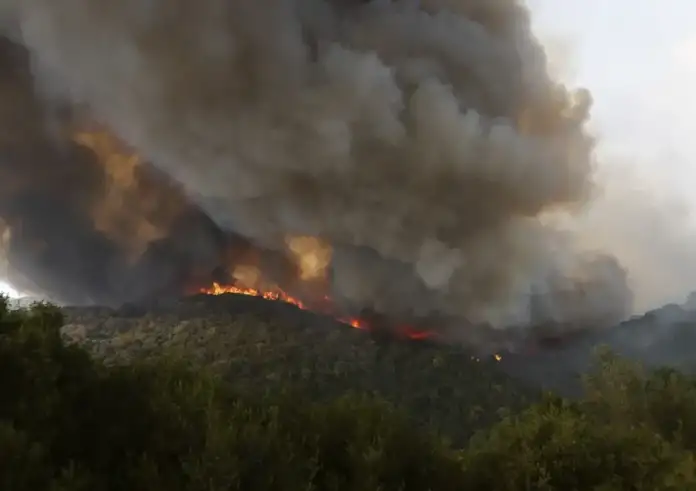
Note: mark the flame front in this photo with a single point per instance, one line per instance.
(277, 294)
(218, 289)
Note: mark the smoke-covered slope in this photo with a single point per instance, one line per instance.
(664, 337)
(265, 345)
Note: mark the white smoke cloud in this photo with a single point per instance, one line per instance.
(639, 217)
(432, 134)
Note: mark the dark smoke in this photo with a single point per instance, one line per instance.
(50, 191)
(425, 141)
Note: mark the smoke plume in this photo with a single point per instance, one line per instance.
(424, 141)
(83, 220)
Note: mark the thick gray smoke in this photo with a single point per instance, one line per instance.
(80, 227)
(427, 132)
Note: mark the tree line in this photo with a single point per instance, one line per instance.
(68, 422)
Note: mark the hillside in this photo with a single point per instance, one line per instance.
(265, 346)
(663, 337)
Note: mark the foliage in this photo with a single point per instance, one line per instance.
(631, 431)
(69, 422)
(264, 347)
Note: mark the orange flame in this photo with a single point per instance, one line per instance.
(218, 289)
(279, 295)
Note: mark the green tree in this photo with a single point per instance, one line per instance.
(627, 433)
(70, 423)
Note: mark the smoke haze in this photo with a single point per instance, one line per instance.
(425, 141)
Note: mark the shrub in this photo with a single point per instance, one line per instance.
(558, 446)
(631, 431)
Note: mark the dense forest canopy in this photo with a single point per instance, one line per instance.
(68, 421)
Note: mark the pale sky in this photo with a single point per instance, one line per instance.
(638, 57)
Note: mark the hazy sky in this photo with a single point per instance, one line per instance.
(638, 57)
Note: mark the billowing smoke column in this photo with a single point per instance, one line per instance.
(83, 222)
(425, 141)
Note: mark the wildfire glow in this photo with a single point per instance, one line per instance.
(121, 165)
(311, 254)
(278, 295)
(218, 289)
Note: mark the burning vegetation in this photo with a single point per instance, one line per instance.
(311, 258)
(325, 308)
